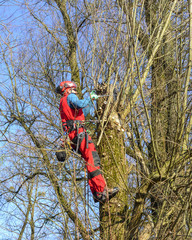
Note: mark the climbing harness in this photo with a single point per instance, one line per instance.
(69, 126)
(72, 125)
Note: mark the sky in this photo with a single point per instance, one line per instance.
(12, 29)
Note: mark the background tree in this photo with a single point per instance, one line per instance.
(139, 54)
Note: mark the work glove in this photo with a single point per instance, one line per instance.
(93, 95)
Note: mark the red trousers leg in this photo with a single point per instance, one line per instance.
(95, 178)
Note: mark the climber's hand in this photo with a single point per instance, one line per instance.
(93, 95)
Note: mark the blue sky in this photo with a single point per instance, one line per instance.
(13, 21)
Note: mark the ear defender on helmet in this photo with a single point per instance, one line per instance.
(59, 89)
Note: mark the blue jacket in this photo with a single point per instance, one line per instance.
(75, 103)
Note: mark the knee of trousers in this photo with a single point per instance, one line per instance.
(96, 159)
(94, 173)
(96, 163)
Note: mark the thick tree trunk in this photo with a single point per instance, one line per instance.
(115, 168)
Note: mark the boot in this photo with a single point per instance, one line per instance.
(106, 195)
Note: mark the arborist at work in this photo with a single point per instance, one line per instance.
(73, 112)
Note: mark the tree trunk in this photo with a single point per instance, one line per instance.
(115, 169)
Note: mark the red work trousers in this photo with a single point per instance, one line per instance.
(89, 153)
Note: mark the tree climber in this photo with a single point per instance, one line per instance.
(73, 112)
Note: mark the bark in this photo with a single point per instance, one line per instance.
(115, 169)
(132, 226)
(72, 41)
(25, 222)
